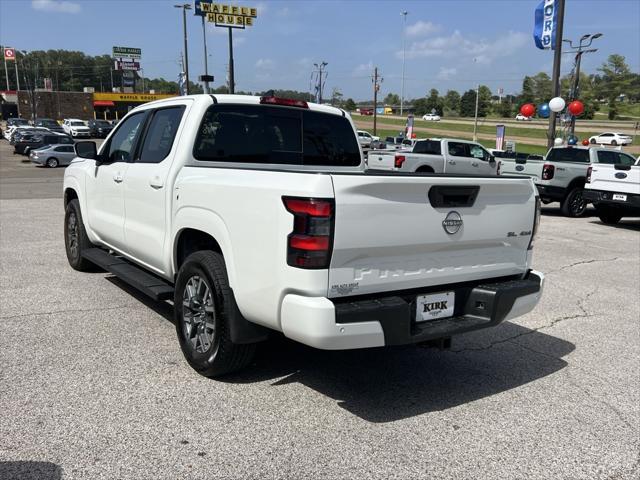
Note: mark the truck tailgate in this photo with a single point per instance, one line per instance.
(608, 178)
(388, 235)
(527, 168)
(379, 160)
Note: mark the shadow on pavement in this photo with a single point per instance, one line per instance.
(163, 309)
(554, 211)
(388, 384)
(30, 471)
(625, 224)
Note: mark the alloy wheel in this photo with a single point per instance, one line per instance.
(198, 314)
(73, 234)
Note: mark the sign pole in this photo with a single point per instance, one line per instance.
(551, 133)
(206, 68)
(232, 83)
(186, 52)
(6, 72)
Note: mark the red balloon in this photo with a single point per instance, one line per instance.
(585, 142)
(576, 108)
(527, 109)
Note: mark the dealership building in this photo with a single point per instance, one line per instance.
(82, 105)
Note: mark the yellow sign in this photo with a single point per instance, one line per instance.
(131, 97)
(229, 15)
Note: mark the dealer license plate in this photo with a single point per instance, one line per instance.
(434, 306)
(619, 196)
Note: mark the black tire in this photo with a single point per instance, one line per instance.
(574, 205)
(592, 141)
(614, 143)
(52, 162)
(608, 216)
(424, 170)
(75, 238)
(209, 351)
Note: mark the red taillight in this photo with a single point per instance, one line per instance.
(287, 102)
(589, 174)
(399, 160)
(309, 245)
(548, 171)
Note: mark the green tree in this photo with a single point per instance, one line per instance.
(484, 101)
(468, 104)
(505, 109)
(616, 79)
(419, 106)
(542, 88)
(528, 91)
(350, 105)
(392, 99)
(434, 102)
(336, 97)
(452, 101)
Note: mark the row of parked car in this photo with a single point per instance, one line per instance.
(563, 175)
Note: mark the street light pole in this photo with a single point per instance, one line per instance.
(475, 122)
(579, 51)
(232, 80)
(404, 26)
(206, 68)
(185, 7)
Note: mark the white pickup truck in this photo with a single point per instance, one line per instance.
(256, 215)
(560, 177)
(438, 155)
(614, 190)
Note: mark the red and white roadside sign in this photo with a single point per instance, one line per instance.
(9, 53)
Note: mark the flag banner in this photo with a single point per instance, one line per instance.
(544, 30)
(182, 83)
(409, 127)
(500, 131)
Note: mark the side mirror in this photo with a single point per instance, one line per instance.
(87, 150)
(492, 159)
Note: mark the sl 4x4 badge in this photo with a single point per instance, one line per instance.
(452, 222)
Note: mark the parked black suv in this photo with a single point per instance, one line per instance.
(99, 128)
(49, 123)
(38, 140)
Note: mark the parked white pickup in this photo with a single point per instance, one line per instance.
(256, 215)
(614, 190)
(437, 155)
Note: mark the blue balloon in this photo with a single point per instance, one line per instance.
(573, 140)
(544, 110)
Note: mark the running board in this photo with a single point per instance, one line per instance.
(138, 278)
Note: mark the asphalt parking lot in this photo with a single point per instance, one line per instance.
(93, 384)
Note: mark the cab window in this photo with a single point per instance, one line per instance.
(124, 140)
(160, 134)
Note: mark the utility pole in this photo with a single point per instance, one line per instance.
(404, 26)
(185, 7)
(551, 132)
(206, 68)
(579, 50)
(232, 80)
(6, 72)
(15, 65)
(376, 87)
(111, 74)
(475, 122)
(322, 78)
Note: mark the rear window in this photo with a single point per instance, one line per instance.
(568, 155)
(431, 147)
(275, 135)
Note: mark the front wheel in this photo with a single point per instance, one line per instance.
(52, 162)
(592, 141)
(574, 204)
(75, 238)
(203, 309)
(614, 143)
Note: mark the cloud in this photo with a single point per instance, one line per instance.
(446, 73)
(265, 64)
(421, 28)
(456, 45)
(55, 6)
(363, 69)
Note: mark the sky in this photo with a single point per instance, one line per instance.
(452, 44)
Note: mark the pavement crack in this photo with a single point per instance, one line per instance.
(70, 310)
(582, 262)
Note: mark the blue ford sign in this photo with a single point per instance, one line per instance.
(621, 175)
(544, 30)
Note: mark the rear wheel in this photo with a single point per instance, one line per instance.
(608, 216)
(614, 143)
(203, 306)
(52, 162)
(574, 204)
(424, 170)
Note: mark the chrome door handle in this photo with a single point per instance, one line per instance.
(117, 178)
(475, 164)
(156, 182)
(451, 162)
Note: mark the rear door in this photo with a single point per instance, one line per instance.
(406, 245)
(146, 186)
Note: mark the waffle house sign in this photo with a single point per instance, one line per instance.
(227, 15)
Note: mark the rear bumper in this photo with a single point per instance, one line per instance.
(548, 192)
(390, 320)
(606, 198)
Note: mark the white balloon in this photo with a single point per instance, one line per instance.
(556, 104)
(558, 141)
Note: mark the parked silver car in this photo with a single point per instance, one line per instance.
(53, 155)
